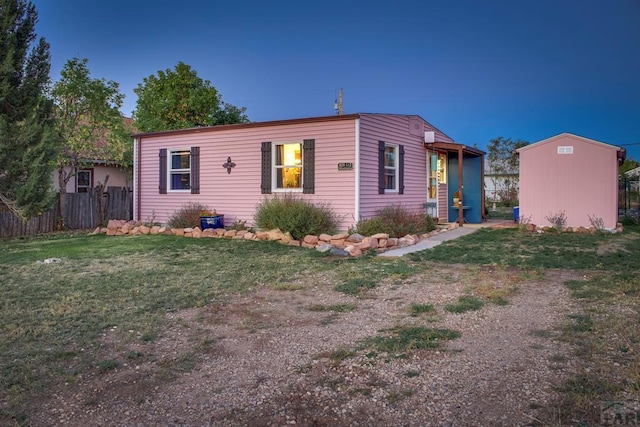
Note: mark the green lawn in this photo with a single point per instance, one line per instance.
(52, 315)
(513, 247)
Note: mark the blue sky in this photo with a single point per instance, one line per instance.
(475, 69)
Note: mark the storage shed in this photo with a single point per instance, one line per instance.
(571, 175)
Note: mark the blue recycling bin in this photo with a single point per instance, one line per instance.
(516, 213)
(216, 221)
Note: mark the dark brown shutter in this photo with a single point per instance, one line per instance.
(194, 162)
(309, 166)
(381, 184)
(265, 181)
(162, 184)
(401, 170)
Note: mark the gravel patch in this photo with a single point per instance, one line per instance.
(265, 359)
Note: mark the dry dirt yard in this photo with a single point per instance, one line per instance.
(269, 359)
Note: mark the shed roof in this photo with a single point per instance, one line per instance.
(570, 135)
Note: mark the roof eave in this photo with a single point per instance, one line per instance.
(234, 126)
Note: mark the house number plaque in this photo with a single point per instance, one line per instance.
(346, 166)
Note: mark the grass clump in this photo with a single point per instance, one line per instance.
(187, 216)
(338, 308)
(406, 338)
(296, 215)
(107, 365)
(416, 309)
(396, 221)
(464, 304)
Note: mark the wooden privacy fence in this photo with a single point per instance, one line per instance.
(81, 211)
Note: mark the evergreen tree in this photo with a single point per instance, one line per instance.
(27, 143)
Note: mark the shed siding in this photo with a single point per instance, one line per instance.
(236, 194)
(580, 184)
(399, 130)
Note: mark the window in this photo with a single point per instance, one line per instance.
(437, 172)
(565, 149)
(84, 180)
(179, 170)
(390, 168)
(287, 166)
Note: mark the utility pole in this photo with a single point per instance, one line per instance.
(337, 105)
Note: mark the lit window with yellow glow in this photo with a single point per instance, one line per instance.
(288, 166)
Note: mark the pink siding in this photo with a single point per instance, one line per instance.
(580, 184)
(236, 194)
(393, 129)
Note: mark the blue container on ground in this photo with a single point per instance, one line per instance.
(516, 213)
(216, 221)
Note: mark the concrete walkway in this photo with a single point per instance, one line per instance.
(433, 241)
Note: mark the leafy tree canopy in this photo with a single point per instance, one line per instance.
(27, 142)
(88, 121)
(178, 99)
(503, 164)
(502, 157)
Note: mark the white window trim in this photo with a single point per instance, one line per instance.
(274, 168)
(88, 186)
(170, 153)
(396, 168)
(565, 149)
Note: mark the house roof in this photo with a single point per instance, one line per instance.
(276, 123)
(633, 172)
(570, 135)
(454, 146)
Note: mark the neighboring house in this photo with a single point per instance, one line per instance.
(571, 174)
(633, 173)
(89, 177)
(359, 163)
(95, 172)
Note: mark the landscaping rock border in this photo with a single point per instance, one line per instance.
(342, 244)
(581, 230)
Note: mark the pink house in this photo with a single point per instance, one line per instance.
(571, 174)
(358, 163)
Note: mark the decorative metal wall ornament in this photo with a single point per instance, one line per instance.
(229, 165)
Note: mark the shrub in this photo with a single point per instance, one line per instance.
(291, 213)
(596, 222)
(557, 220)
(371, 226)
(396, 221)
(628, 220)
(187, 216)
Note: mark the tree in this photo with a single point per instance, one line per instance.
(627, 165)
(180, 99)
(89, 124)
(503, 165)
(27, 142)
